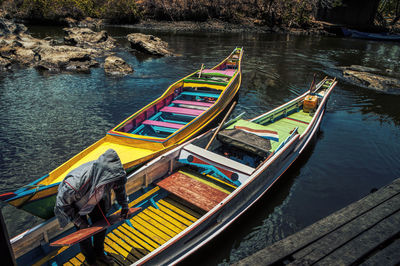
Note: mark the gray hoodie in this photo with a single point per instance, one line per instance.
(87, 184)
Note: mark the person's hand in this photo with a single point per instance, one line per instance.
(124, 213)
(81, 223)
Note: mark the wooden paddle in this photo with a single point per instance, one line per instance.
(312, 84)
(201, 69)
(85, 233)
(220, 125)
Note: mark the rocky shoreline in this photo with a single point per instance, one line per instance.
(77, 53)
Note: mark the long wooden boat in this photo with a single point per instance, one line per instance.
(370, 36)
(190, 194)
(186, 108)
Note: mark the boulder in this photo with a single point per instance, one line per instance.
(149, 44)
(372, 78)
(87, 38)
(63, 57)
(4, 64)
(92, 23)
(115, 65)
(9, 27)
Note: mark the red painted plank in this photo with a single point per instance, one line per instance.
(162, 124)
(85, 233)
(193, 191)
(182, 111)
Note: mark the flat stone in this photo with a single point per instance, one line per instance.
(149, 44)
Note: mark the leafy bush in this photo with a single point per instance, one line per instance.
(117, 10)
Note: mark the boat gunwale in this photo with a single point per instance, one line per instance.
(113, 131)
(259, 170)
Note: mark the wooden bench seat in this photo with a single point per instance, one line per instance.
(182, 111)
(192, 103)
(195, 192)
(162, 124)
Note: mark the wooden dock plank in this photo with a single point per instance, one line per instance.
(293, 245)
(349, 231)
(358, 248)
(384, 256)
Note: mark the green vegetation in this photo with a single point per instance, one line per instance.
(282, 13)
(55, 10)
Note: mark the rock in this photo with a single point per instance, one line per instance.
(4, 64)
(92, 23)
(9, 27)
(149, 44)
(86, 38)
(372, 78)
(60, 58)
(114, 65)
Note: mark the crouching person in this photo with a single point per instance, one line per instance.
(86, 191)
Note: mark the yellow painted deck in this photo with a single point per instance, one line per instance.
(125, 152)
(151, 228)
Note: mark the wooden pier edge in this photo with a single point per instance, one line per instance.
(365, 232)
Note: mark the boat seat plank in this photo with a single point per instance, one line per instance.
(162, 124)
(200, 94)
(192, 191)
(196, 103)
(227, 72)
(239, 167)
(182, 111)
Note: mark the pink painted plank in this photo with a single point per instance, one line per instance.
(182, 111)
(228, 72)
(162, 124)
(192, 103)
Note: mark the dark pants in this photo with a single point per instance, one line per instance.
(91, 250)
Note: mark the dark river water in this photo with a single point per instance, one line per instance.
(46, 119)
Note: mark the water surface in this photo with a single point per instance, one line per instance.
(46, 119)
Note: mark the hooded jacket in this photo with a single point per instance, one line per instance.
(87, 184)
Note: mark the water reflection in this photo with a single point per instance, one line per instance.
(46, 119)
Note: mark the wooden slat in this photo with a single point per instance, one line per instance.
(175, 215)
(170, 219)
(152, 228)
(111, 252)
(160, 220)
(143, 248)
(389, 256)
(219, 159)
(197, 193)
(68, 264)
(139, 237)
(157, 224)
(170, 203)
(144, 196)
(147, 232)
(119, 250)
(131, 250)
(75, 261)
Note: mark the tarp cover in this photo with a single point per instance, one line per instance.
(87, 184)
(245, 141)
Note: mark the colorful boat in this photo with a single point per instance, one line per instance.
(186, 109)
(190, 194)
